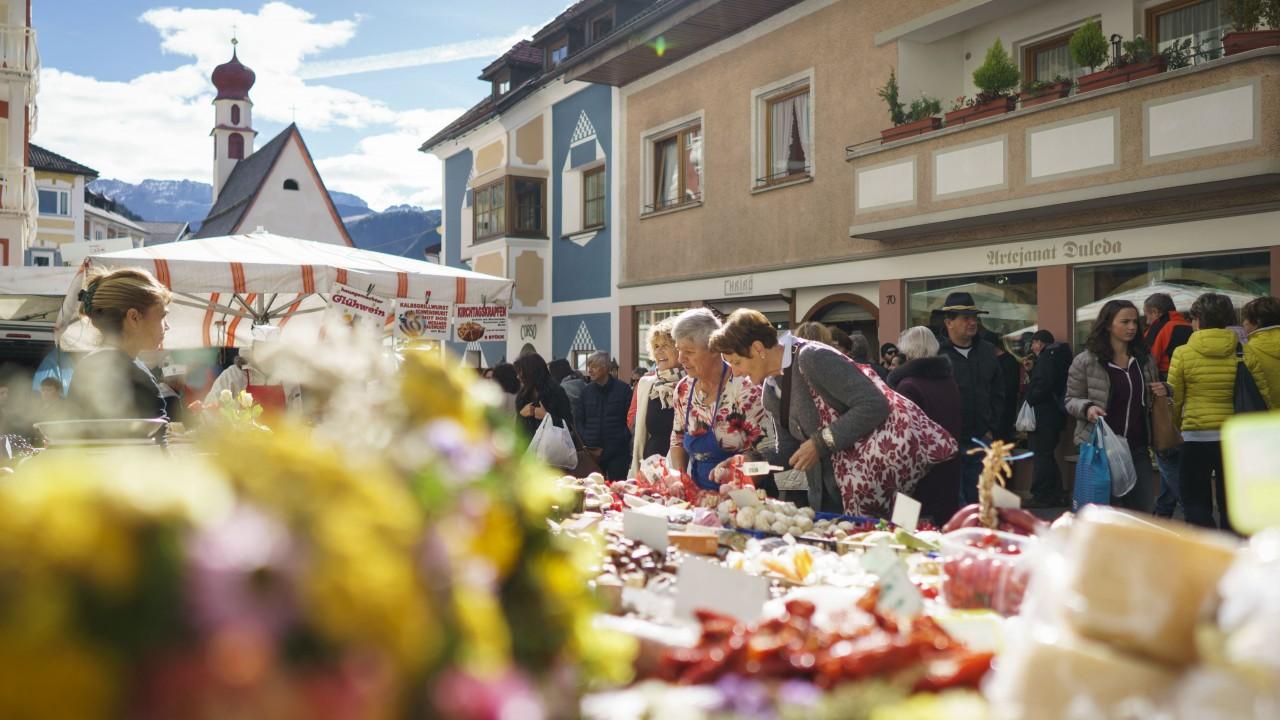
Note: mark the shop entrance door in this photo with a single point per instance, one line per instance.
(851, 314)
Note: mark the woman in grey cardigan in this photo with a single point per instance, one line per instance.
(752, 348)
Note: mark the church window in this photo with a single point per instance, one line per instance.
(235, 146)
(290, 184)
(235, 114)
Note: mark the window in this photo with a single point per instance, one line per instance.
(235, 114)
(786, 136)
(55, 202)
(235, 146)
(41, 259)
(1240, 277)
(1010, 299)
(290, 184)
(601, 26)
(1199, 21)
(493, 215)
(557, 53)
(677, 168)
(646, 319)
(504, 86)
(1048, 59)
(490, 210)
(593, 198)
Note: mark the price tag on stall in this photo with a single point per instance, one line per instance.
(906, 513)
(645, 528)
(898, 595)
(703, 584)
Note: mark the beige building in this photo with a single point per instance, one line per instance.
(19, 82)
(60, 204)
(754, 173)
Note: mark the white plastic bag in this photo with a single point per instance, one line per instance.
(554, 445)
(1026, 418)
(1120, 462)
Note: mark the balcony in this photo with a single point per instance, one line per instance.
(1167, 138)
(18, 191)
(18, 53)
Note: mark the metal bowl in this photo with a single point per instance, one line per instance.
(71, 432)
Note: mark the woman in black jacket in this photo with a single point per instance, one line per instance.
(540, 396)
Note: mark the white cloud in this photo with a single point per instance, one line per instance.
(156, 125)
(469, 50)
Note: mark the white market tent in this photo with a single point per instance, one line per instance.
(223, 286)
(1183, 295)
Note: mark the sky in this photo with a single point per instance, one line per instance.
(124, 85)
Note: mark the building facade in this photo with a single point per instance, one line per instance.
(753, 172)
(530, 176)
(60, 203)
(19, 83)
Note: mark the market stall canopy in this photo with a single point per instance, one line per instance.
(223, 286)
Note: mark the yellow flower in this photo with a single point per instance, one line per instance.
(486, 640)
(55, 678)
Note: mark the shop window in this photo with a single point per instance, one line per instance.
(1241, 277)
(787, 142)
(54, 202)
(677, 168)
(1010, 300)
(646, 319)
(593, 193)
(1048, 59)
(1200, 21)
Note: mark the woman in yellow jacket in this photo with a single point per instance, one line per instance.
(1203, 375)
(1262, 353)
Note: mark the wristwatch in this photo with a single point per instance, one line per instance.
(828, 439)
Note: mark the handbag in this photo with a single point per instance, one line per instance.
(554, 445)
(1026, 418)
(1119, 461)
(892, 458)
(1093, 473)
(586, 459)
(1164, 426)
(270, 397)
(1246, 398)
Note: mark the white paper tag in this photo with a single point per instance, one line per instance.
(645, 528)
(906, 512)
(1005, 498)
(759, 468)
(701, 584)
(744, 497)
(697, 529)
(897, 594)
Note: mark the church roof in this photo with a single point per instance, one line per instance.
(233, 79)
(246, 181)
(49, 161)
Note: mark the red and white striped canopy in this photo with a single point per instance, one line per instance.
(224, 285)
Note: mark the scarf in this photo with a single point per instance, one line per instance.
(664, 386)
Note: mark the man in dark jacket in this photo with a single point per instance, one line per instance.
(601, 410)
(1045, 390)
(977, 372)
(1167, 330)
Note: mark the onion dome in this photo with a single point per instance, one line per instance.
(233, 79)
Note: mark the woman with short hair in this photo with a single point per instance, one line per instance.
(926, 378)
(653, 403)
(830, 405)
(814, 331)
(1203, 377)
(1262, 353)
(717, 415)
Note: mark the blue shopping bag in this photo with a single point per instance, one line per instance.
(1093, 473)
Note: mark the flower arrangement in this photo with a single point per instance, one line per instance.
(298, 574)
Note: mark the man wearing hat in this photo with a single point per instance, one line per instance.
(977, 372)
(1045, 390)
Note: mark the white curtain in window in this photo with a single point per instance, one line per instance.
(789, 119)
(800, 114)
(1057, 61)
(668, 173)
(1202, 23)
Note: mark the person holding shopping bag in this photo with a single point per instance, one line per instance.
(1114, 381)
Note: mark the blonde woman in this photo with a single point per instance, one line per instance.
(652, 410)
(128, 307)
(815, 331)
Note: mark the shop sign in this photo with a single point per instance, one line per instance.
(1060, 252)
(352, 306)
(480, 323)
(739, 286)
(422, 320)
(528, 331)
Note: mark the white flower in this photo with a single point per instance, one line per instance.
(246, 400)
(224, 397)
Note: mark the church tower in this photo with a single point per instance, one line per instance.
(233, 131)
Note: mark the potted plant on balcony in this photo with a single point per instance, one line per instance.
(996, 79)
(1247, 16)
(1133, 59)
(1038, 92)
(921, 117)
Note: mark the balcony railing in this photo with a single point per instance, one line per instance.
(18, 53)
(17, 191)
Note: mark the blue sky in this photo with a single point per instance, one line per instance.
(125, 83)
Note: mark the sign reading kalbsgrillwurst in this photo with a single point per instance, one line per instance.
(352, 306)
(480, 323)
(422, 320)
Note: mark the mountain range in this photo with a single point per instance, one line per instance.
(399, 230)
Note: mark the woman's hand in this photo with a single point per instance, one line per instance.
(1159, 389)
(723, 472)
(806, 457)
(539, 412)
(1096, 413)
(527, 410)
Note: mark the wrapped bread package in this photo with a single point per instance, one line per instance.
(1140, 585)
(1050, 674)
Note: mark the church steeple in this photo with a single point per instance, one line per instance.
(233, 132)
